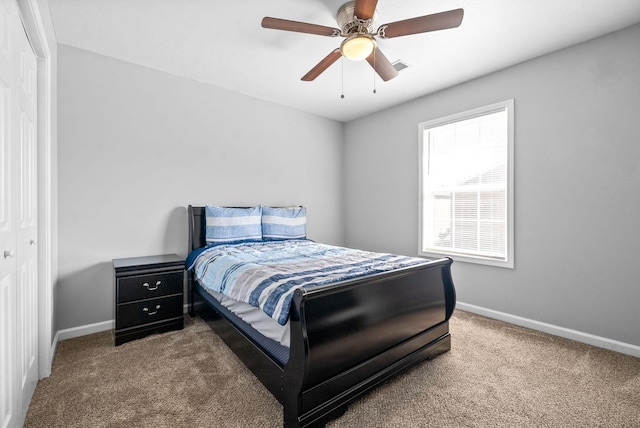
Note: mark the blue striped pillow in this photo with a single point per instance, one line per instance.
(225, 225)
(284, 223)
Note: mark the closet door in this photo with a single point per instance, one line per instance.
(8, 235)
(25, 142)
(18, 219)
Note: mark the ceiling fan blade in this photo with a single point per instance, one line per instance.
(382, 65)
(298, 27)
(322, 66)
(422, 24)
(364, 9)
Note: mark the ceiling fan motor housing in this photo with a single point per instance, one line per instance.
(350, 24)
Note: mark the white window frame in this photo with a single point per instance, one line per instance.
(508, 260)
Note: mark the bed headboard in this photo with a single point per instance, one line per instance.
(196, 227)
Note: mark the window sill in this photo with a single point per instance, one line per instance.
(508, 264)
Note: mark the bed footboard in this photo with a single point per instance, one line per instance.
(348, 338)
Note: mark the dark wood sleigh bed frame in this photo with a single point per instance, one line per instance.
(346, 338)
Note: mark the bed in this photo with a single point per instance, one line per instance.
(343, 337)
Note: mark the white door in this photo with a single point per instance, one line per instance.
(18, 219)
(8, 235)
(25, 140)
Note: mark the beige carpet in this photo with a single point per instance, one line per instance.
(496, 375)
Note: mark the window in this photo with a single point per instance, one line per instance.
(466, 186)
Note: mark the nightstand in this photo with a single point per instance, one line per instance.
(149, 296)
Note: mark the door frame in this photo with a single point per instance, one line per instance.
(32, 21)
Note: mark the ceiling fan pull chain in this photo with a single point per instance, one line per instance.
(342, 79)
(374, 70)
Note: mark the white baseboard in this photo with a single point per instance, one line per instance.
(83, 330)
(590, 339)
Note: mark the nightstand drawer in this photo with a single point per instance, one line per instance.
(148, 311)
(148, 286)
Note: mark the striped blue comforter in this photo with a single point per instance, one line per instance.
(266, 274)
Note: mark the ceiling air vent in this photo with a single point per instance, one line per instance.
(399, 65)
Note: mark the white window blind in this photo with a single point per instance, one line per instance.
(466, 190)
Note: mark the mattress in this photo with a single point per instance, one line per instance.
(255, 317)
(278, 352)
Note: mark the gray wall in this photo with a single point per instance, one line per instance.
(577, 186)
(136, 146)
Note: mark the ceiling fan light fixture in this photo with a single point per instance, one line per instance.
(358, 46)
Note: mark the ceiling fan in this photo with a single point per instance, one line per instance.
(355, 19)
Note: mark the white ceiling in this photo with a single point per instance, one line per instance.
(222, 43)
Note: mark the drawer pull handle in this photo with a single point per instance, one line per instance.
(146, 284)
(151, 313)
